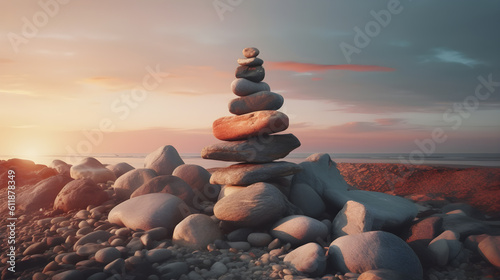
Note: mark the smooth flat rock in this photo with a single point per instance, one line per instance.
(252, 73)
(126, 184)
(304, 197)
(78, 194)
(43, 194)
(489, 248)
(249, 125)
(150, 211)
(309, 258)
(253, 150)
(373, 250)
(167, 184)
(352, 219)
(252, 61)
(262, 100)
(196, 231)
(256, 205)
(163, 160)
(120, 168)
(299, 230)
(107, 255)
(243, 87)
(321, 174)
(250, 52)
(248, 173)
(199, 180)
(91, 168)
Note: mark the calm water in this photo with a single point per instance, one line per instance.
(137, 160)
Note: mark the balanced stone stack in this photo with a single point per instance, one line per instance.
(249, 134)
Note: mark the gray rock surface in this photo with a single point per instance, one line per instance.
(309, 258)
(126, 184)
(299, 230)
(196, 231)
(91, 168)
(262, 100)
(163, 160)
(243, 87)
(247, 173)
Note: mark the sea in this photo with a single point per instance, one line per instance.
(444, 159)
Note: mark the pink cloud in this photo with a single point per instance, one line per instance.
(312, 67)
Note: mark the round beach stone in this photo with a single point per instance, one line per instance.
(97, 236)
(243, 87)
(256, 205)
(247, 173)
(167, 184)
(299, 230)
(248, 125)
(252, 61)
(42, 194)
(250, 52)
(120, 168)
(199, 180)
(196, 231)
(309, 258)
(259, 239)
(373, 250)
(150, 211)
(252, 73)
(163, 160)
(107, 255)
(262, 100)
(253, 150)
(91, 168)
(353, 218)
(126, 184)
(158, 255)
(78, 194)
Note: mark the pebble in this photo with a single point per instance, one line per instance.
(107, 255)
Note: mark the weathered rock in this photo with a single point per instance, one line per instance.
(489, 248)
(167, 184)
(299, 230)
(199, 180)
(91, 168)
(150, 211)
(60, 166)
(253, 150)
(43, 194)
(250, 52)
(163, 160)
(252, 61)
(126, 184)
(242, 127)
(120, 168)
(78, 194)
(256, 205)
(243, 87)
(196, 231)
(321, 174)
(352, 219)
(304, 197)
(248, 173)
(308, 258)
(262, 100)
(374, 250)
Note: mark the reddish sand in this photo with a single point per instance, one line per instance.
(477, 186)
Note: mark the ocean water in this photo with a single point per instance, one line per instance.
(137, 160)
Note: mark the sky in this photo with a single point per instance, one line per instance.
(357, 76)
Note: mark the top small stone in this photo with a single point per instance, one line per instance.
(250, 52)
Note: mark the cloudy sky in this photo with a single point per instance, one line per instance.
(130, 76)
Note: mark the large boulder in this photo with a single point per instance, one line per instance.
(249, 125)
(253, 150)
(321, 174)
(299, 230)
(167, 184)
(150, 211)
(199, 180)
(43, 194)
(374, 250)
(120, 168)
(309, 258)
(78, 194)
(91, 168)
(196, 231)
(309, 201)
(126, 184)
(163, 160)
(249, 173)
(61, 167)
(256, 205)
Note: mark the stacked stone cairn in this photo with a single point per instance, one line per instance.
(249, 134)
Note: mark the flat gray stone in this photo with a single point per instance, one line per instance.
(247, 173)
(243, 87)
(262, 100)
